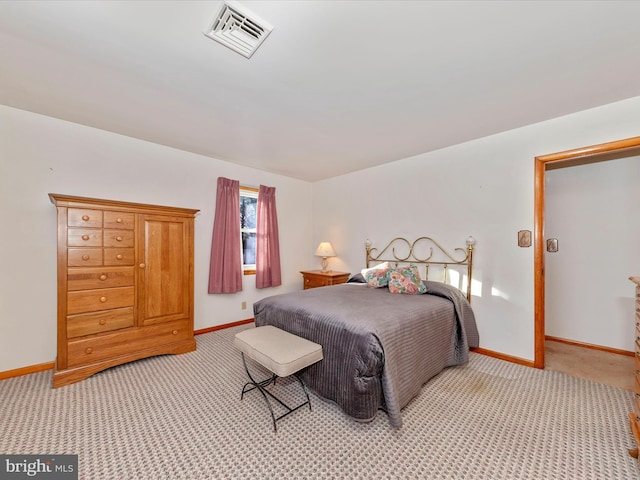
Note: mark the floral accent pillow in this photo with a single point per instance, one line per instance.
(377, 276)
(406, 280)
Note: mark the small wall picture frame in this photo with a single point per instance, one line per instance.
(524, 238)
(552, 245)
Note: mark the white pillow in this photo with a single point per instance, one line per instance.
(377, 276)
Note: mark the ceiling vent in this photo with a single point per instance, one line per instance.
(237, 28)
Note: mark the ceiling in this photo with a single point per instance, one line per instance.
(338, 86)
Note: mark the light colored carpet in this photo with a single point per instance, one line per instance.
(180, 417)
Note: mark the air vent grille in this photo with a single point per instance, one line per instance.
(237, 28)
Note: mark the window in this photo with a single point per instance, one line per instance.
(248, 210)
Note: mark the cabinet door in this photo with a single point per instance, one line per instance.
(165, 270)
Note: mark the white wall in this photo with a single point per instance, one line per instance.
(593, 212)
(39, 155)
(482, 188)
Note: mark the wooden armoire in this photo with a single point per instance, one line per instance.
(125, 284)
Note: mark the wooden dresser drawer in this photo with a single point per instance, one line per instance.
(313, 282)
(82, 217)
(119, 256)
(101, 299)
(634, 416)
(91, 278)
(90, 323)
(118, 238)
(119, 220)
(84, 257)
(317, 278)
(88, 350)
(84, 237)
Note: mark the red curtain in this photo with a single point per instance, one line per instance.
(267, 242)
(225, 269)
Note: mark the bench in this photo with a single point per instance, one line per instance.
(280, 352)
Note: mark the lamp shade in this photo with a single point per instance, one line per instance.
(325, 250)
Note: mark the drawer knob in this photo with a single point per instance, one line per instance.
(119, 256)
(85, 218)
(85, 237)
(85, 257)
(142, 265)
(103, 277)
(175, 332)
(103, 299)
(118, 239)
(103, 321)
(118, 220)
(88, 350)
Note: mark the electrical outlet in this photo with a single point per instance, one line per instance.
(244, 305)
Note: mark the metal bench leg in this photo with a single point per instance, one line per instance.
(260, 385)
(304, 389)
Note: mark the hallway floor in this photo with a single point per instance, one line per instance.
(603, 367)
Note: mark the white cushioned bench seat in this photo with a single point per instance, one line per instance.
(281, 352)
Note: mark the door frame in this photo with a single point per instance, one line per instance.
(573, 157)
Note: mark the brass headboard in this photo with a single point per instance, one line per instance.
(426, 245)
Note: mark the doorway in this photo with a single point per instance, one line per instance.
(580, 156)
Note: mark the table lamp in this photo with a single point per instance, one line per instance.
(325, 250)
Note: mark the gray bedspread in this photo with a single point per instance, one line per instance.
(379, 348)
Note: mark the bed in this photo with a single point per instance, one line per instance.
(380, 347)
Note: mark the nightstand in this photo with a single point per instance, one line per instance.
(318, 278)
